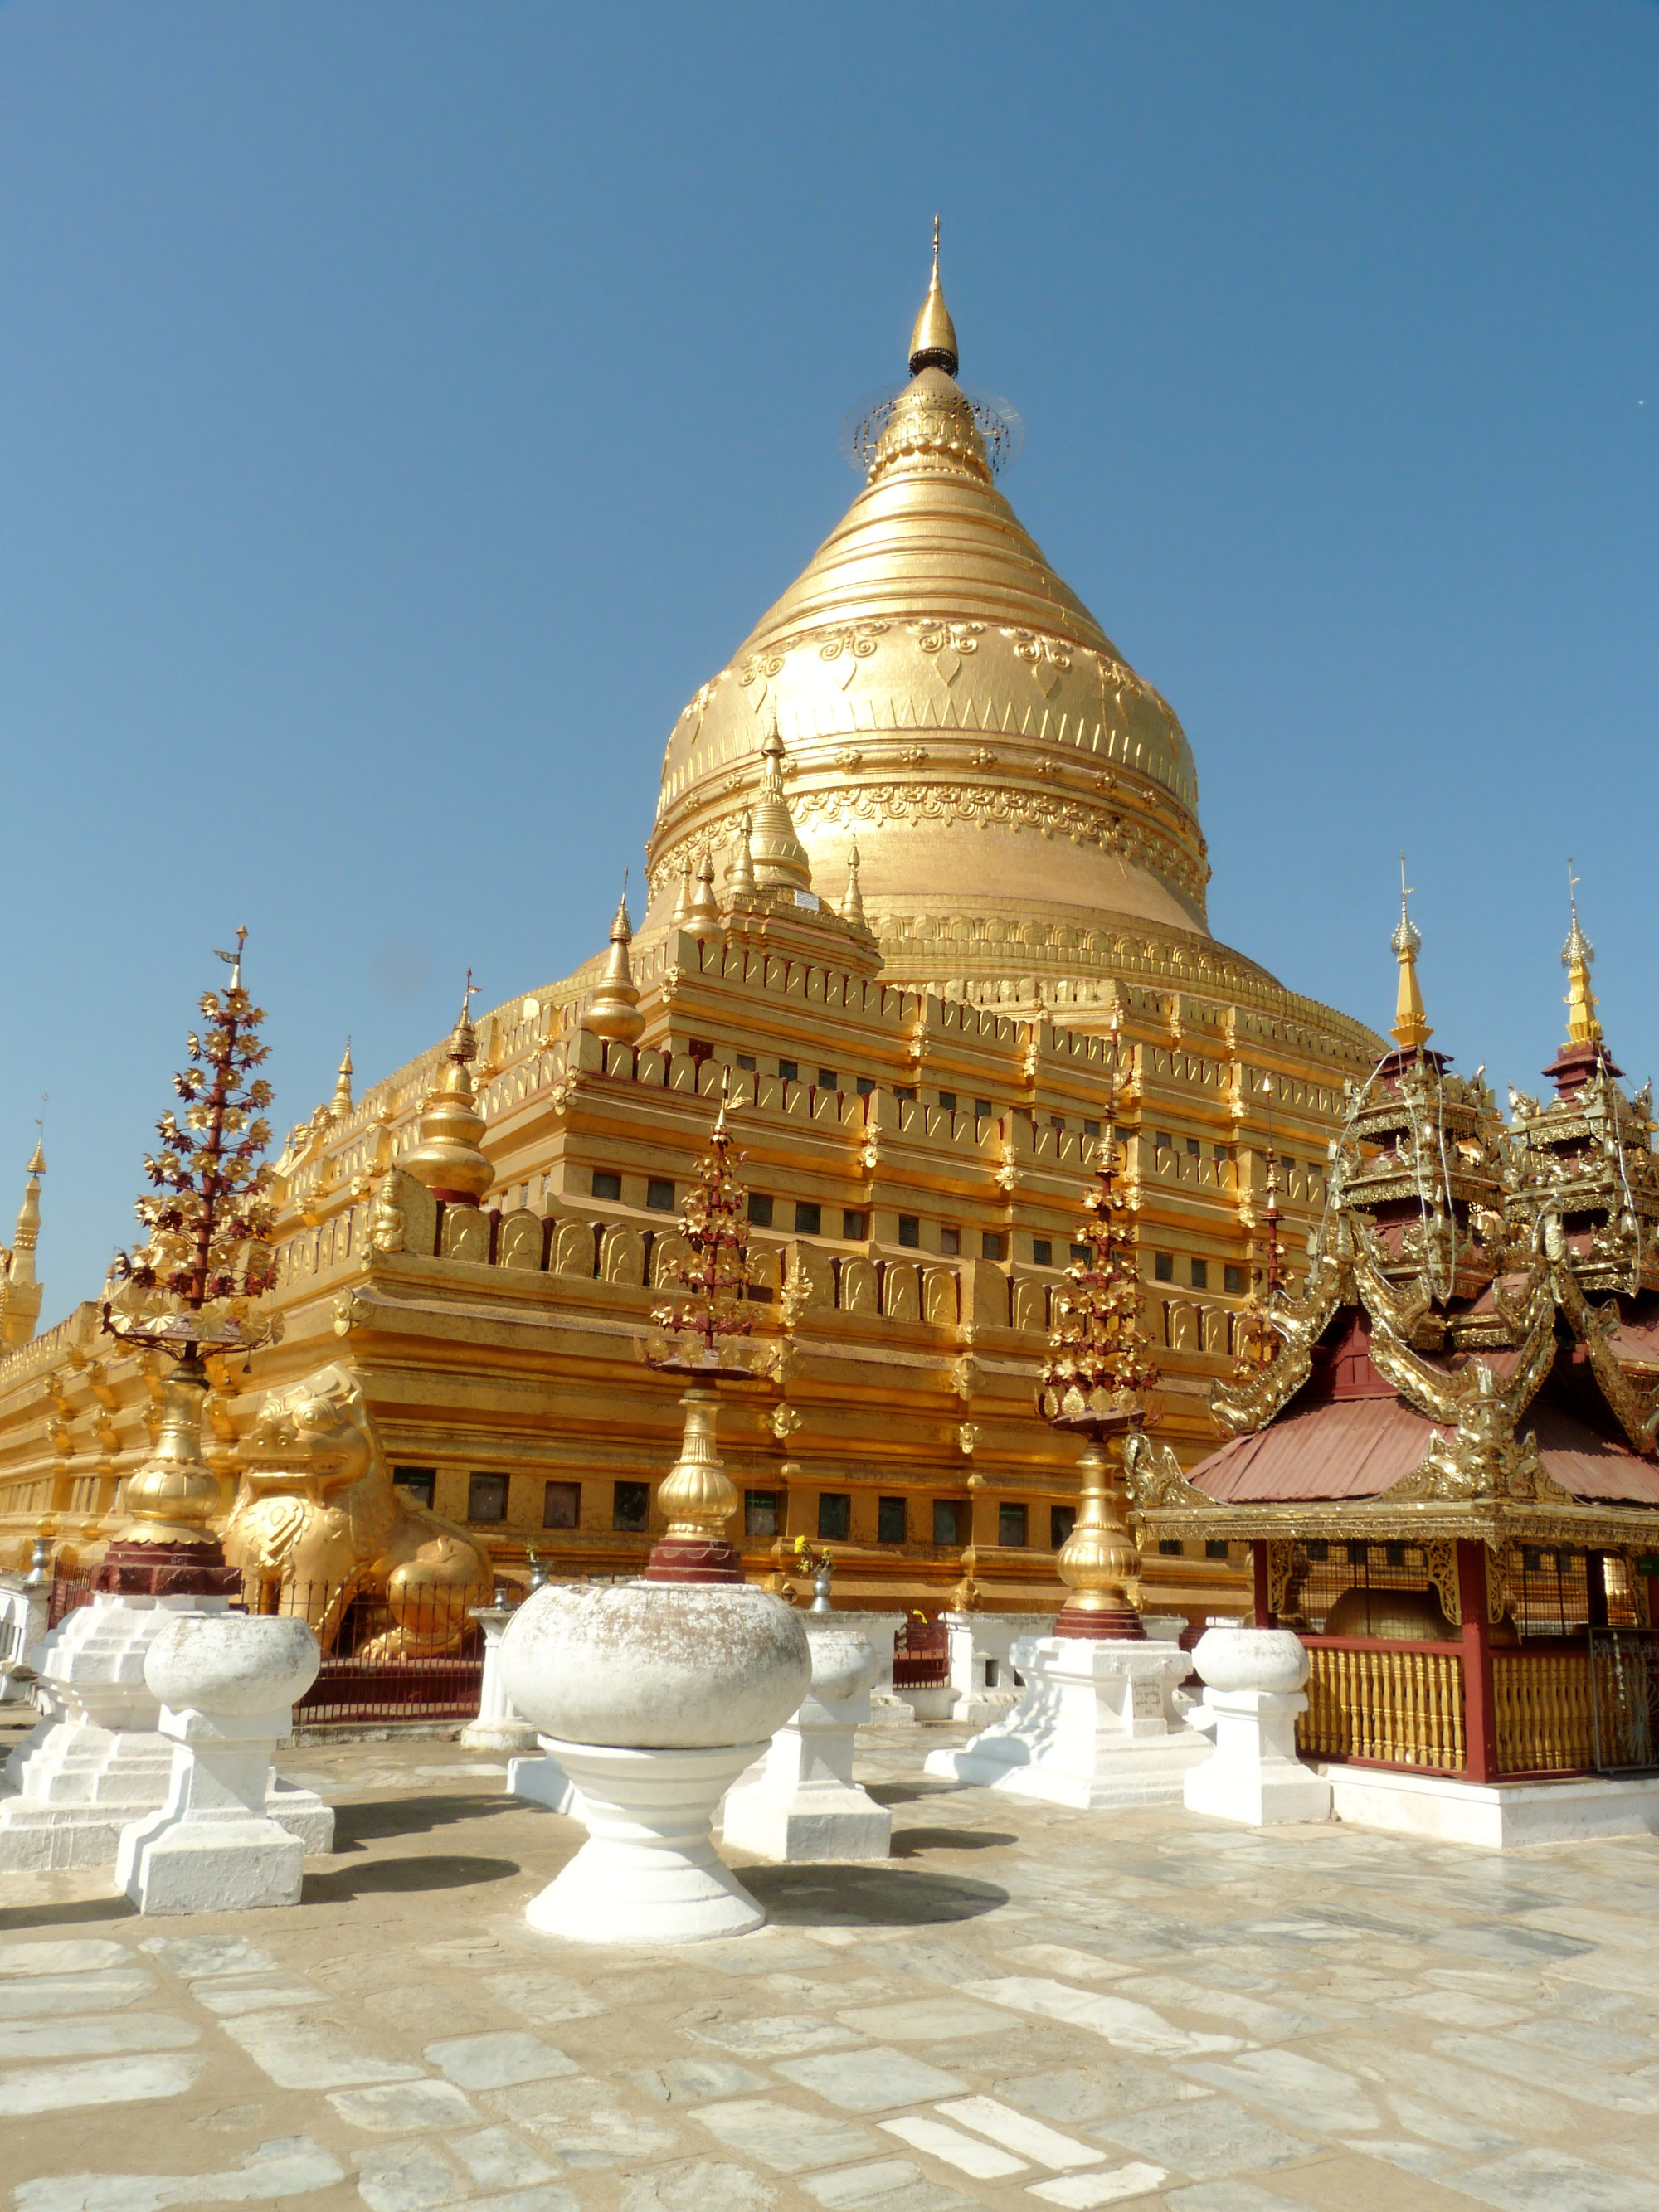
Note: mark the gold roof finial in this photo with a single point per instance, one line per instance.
(703, 920)
(341, 1105)
(449, 1159)
(933, 341)
(740, 876)
(1577, 955)
(852, 907)
(20, 1289)
(780, 862)
(614, 1010)
(1411, 1032)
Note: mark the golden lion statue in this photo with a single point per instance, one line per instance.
(318, 1522)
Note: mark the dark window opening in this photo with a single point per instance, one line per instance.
(746, 1062)
(760, 1208)
(808, 1218)
(949, 1243)
(952, 1520)
(1164, 1140)
(789, 1071)
(760, 1513)
(1215, 1547)
(760, 1294)
(865, 1086)
(826, 1078)
(419, 1481)
(905, 1093)
(947, 1102)
(660, 1194)
(562, 1505)
(1081, 1252)
(909, 1226)
(1062, 1519)
(1011, 1526)
(1232, 1281)
(993, 1245)
(630, 1507)
(982, 1109)
(854, 1227)
(606, 1186)
(1042, 1252)
(486, 1498)
(892, 1521)
(1201, 1274)
(700, 1048)
(835, 1516)
(1171, 1547)
(1194, 1150)
(1092, 1129)
(1163, 1267)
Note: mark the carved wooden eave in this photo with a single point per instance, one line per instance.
(1239, 1409)
(1636, 1411)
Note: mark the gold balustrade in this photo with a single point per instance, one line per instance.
(1401, 1704)
(1542, 1702)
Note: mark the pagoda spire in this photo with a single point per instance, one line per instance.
(1411, 1030)
(740, 876)
(449, 1158)
(852, 907)
(340, 1106)
(781, 861)
(702, 917)
(20, 1292)
(614, 1010)
(1578, 957)
(933, 341)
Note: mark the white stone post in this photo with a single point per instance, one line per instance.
(544, 1781)
(499, 1726)
(1253, 1680)
(1097, 1725)
(982, 1664)
(227, 1683)
(24, 1604)
(806, 1805)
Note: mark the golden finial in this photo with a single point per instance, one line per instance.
(703, 920)
(781, 861)
(740, 876)
(21, 1290)
(449, 1159)
(234, 960)
(1411, 1032)
(1577, 955)
(933, 341)
(614, 1010)
(682, 915)
(340, 1104)
(852, 907)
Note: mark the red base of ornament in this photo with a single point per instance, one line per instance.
(1120, 1624)
(132, 1568)
(689, 1560)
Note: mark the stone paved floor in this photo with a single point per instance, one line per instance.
(1026, 2007)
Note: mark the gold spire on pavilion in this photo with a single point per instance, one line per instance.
(740, 876)
(614, 1010)
(852, 907)
(1578, 957)
(1411, 1030)
(702, 916)
(933, 341)
(21, 1291)
(449, 1158)
(780, 858)
(340, 1105)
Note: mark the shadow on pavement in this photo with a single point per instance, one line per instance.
(433, 1870)
(909, 1843)
(875, 1896)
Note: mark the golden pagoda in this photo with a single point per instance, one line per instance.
(927, 897)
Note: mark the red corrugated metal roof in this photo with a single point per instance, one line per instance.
(1589, 1465)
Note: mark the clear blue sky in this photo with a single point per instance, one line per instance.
(405, 407)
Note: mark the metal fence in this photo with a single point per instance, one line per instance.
(922, 1655)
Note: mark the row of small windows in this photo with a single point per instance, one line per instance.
(763, 1511)
(1215, 1547)
(1198, 1274)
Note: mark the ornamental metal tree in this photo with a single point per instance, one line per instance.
(1095, 1382)
(207, 1254)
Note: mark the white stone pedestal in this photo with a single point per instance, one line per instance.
(648, 1872)
(24, 1600)
(226, 1685)
(1252, 1693)
(1095, 1727)
(806, 1805)
(500, 1726)
(99, 1759)
(982, 1665)
(543, 1782)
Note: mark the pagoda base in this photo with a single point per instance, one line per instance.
(1095, 1727)
(1494, 1816)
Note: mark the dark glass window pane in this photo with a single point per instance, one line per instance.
(891, 1521)
(994, 1244)
(1080, 1252)
(982, 1109)
(486, 1498)
(865, 1086)
(949, 1243)
(947, 1101)
(808, 1218)
(826, 1078)
(835, 1516)
(660, 1194)
(1010, 1524)
(952, 1521)
(562, 1505)
(1163, 1267)
(1062, 1519)
(1232, 1281)
(1215, 1547)
(854, 1227)
(1201, 1274)
(1194, 1150)
(789, 1071)
(1170, 1547)
(746, 1062)
(630, 1506)
(606, 1186)
(1042, 1252)
(1092, 1130)
(759, 1512)
(1164, 1141)
(419, 1481)
(760, 1209)
(909, 1229)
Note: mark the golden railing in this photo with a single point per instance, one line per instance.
(1542, 1705)
(1398, 1703)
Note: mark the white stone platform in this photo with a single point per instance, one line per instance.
(1495, 1816)
(1095, 1727)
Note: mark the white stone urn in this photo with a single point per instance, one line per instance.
(653, 1698)
(227, 1683)
(1253, 1680)
(1230, 1656)
(844, 1663)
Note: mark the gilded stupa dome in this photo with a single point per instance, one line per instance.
(944, 698)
